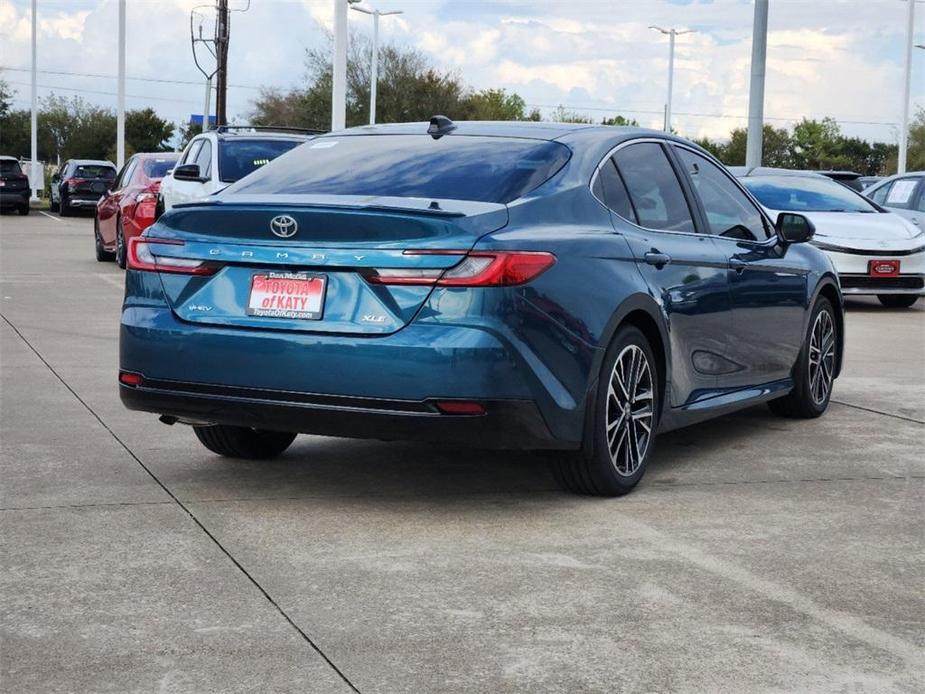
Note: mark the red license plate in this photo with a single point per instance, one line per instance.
(287, 295)
(883, 268)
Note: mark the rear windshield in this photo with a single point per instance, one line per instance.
(94, 171)
(8, 166)
(795, 194)
(158, 168)
(484, 169)
(237, 158)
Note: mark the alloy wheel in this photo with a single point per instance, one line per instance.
(821, 357)
(629, 410)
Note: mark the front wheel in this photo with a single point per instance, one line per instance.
(243, 442)
(897, 300)
(624, 416)
(102, 255)
(814, 373)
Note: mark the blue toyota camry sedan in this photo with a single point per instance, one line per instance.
(572, 288)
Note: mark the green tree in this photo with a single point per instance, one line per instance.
(714, 148)
(816, 145)
(493, 104)
(145, 131)
(6, 98)
(563, 115)
(620, 120)
(775, 148)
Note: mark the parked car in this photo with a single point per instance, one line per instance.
(869, 181)
(903, 194)
(524, 285)
(215, 159)
(127, 209)
(14, 185)
(79, 184)
(875, 251)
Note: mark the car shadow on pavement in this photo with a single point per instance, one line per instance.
(317, 467)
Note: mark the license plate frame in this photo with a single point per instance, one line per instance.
(287, 295)
(883, 268)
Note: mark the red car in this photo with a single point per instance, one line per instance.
(128, 208)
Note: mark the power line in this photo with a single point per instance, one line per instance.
(137, 79)
(95, 91)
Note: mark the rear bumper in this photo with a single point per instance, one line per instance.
(83, 200)
(355, 386)
(10, 198)
(505, 424)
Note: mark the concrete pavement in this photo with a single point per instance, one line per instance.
(759, 554)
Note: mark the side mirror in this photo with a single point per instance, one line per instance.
(187, 172)
(794, 228)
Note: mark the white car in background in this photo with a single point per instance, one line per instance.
(217, 158)
(903, 194)
(875, 252)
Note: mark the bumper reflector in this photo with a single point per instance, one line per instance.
(460, 407)
(129, 379)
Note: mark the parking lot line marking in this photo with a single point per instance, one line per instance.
(881, 412)
(51, 216)
(109, 279)
(848, 624)
(183, 507)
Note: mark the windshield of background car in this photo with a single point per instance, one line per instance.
(92, 171)
(794, 194)
(453, 167)
(8, 166)
(237, 158)
(158, 168)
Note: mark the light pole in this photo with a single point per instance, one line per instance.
(374, 70)
(120, 109)
(33, 136)
(671, 33)
(904, 133)
(339, 81)
(754, 139)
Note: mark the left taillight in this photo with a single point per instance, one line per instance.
(475, 269)
(142, 257)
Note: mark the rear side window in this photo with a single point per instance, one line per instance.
(729, 211)
(900, 193)
(654, 188)
(610, 190)
(453, 167)
(237, 158)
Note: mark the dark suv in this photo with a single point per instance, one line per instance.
(80, 183)
(14, 185)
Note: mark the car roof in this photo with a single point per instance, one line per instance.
(157, 155)
(746, 172)
(525, 129)
(100, 162)
(7, 157)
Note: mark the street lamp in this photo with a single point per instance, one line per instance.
(671, 33)
(374, 74)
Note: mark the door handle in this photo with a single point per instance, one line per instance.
(659, 260)
(738, 265)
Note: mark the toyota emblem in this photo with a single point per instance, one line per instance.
(284, 226)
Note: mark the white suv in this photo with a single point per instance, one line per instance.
(217, 158)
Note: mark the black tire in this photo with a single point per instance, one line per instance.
(801, 402)
(897, 300)
(594, 470)
(24, 209)
(242, 442)
(102, 255)
(53, 206)
(64, 209)
(120, 244)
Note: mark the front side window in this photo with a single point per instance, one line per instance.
(204, 159)
(453, 167)
(158, 168)
(879, 195)
(125, 177)
(900, 194)
(729, 211)
(239, 157)
(192, 152)
(654, 188)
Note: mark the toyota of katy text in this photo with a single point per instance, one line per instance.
(539, 286)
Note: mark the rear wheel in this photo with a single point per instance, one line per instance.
(622, 431)
(102, 255)
(897, 300)
(815, 370)
(64, 209)
(243, 442)
(24, 209)
(120, 244)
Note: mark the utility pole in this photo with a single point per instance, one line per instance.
(671, 33)
(221, 46)
(904, 133)
(120, 109)
(34, 139)
(339, 86)
(374, 67)
(755, 137)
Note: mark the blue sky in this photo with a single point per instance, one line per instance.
(841, 58)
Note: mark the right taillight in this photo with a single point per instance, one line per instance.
(476, 269)
(141, 257)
